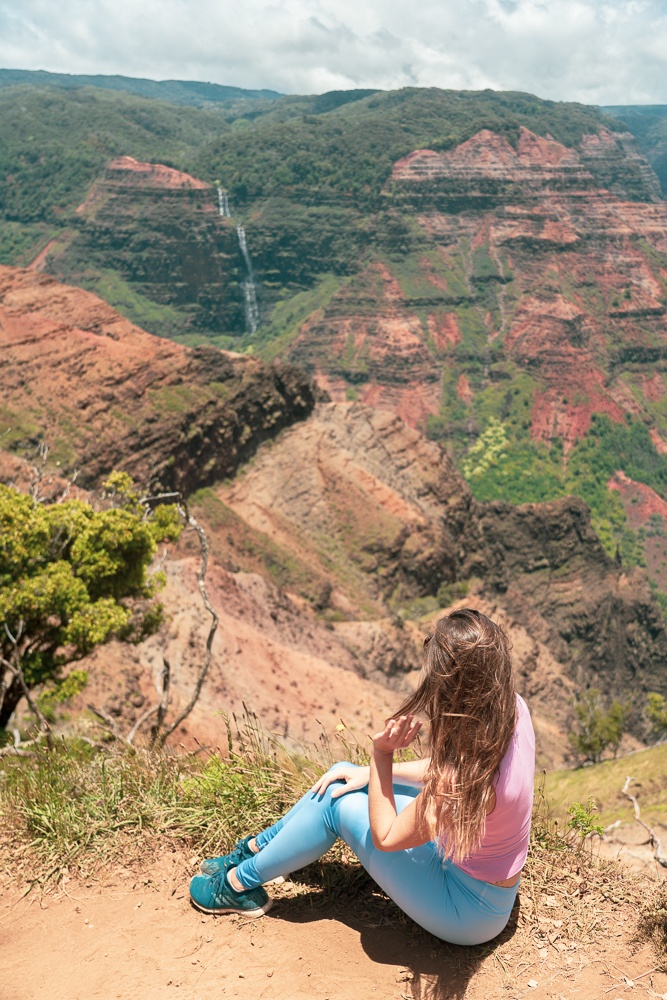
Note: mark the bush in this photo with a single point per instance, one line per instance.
(657, 713)
(71, 578)
(582, 819)
(596, 729)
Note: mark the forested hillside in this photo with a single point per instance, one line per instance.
(503, 289)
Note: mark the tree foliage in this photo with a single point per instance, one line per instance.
(72, 577)
(596, 729)
(657, 712)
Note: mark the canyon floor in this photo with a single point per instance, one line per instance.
(132, 932)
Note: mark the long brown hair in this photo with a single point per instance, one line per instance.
(467, 692)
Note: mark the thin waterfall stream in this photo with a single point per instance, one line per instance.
(249, 291)
(223, 203)
(248, 286)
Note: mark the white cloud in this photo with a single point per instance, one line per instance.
(595, 51)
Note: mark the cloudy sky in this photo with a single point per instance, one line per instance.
(596, 51)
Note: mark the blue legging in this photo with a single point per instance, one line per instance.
(437, 894)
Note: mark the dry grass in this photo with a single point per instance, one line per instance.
(79, 810)
(603, 783)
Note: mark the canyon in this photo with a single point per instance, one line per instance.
(453, 343)
(329, 523)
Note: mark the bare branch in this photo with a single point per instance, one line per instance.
(140, 721)
(65, 493)
(164, 700)
(18, 748)
(201, 580)
(110, 723)
(17, 670)
(654, 840)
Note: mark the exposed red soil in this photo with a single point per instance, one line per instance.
(106, 391)
(134, 933)
(646, 500)
(463, 390)
(585, 289)
(444, 328)
(152, 174)
(40, 260)
(487, 153)
(270, 655)
(654, 387)
(658, 441)
(381, 352)
(641, 504)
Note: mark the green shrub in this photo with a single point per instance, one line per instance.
(657, 713)
(596, 729)
(582, 819)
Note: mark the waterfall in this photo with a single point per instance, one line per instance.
(223, 203)
(248, 286)
(249, 292)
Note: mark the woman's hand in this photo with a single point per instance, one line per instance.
(397, 734)
(355, 778)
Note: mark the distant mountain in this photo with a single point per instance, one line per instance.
(648, 123)
(189, 92)
(490, 266)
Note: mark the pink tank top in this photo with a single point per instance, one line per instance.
(504, 849)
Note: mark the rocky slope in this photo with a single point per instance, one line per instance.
(520, 292)
(345, 522)
(521, 262)
(105, 394)
(155, 237)
(385, 514)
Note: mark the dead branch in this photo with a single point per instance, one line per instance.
(19, 749)
(164, 701)
(654, 840)
(37, 472)
(109, 722)
(129, 739)
(17, 670)
(68, 486)
(162, 737)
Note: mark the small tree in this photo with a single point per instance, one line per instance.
(71, 578)
(656, 710)
(596, 728)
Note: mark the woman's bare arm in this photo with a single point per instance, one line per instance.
(411, 772)
(392, 831)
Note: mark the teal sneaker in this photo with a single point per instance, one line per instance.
(213, 894)
(213, 866)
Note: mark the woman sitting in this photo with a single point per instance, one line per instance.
(445, 837)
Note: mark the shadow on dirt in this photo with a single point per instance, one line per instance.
(426, 967)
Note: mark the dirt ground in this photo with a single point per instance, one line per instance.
(134, 934)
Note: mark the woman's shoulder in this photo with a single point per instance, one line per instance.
(524, 724)
(517, 767)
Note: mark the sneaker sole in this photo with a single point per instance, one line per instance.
(257, 912)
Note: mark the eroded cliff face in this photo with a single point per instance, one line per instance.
(105, 394)
(345, 516)
(384, 515)
(539, 262)
(160, 232)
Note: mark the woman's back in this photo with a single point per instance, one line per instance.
(504, 846)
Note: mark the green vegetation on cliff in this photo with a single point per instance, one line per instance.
(53, 144)
(71, 578)
(345, 156)
(648, 123)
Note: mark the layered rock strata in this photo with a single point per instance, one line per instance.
(104, 394)
(386, 511)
